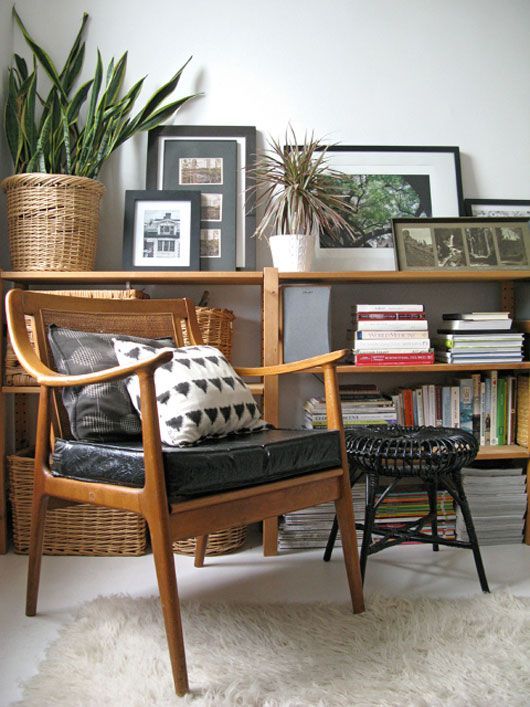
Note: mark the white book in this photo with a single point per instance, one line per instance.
(407, 334)
(384, 345)
(455, 406)
(392, 325)
(388, 307)
(482, 414)
(493, 376)
(478, 316)
(465, 325)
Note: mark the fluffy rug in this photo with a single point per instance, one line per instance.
(418, 652)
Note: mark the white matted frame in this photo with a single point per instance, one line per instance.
(491, 208)
(440, 164)
(245, 137)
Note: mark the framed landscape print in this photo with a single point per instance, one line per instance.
(161, 230)
(489, 208)
(214, 160)
(383, 183)
(463, 244)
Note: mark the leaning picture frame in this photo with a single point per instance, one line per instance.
(469, 243)
(228, 205)
(386, 182)
(161, 230)
(490, 208)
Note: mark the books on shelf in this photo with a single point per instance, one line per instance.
(360, 406)
(391, 336)
(477, 325)
(477, 316)
(497, 499)
(483, 404)
(478, 337)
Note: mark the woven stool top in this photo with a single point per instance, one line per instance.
(425, 452)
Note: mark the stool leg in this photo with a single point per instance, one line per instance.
(369, 519)
(432, 490)
(331, 540)
(470, 527)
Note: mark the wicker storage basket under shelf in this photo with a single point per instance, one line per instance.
(14, 373)
(219, 543)
(523, 403)
(76, 530)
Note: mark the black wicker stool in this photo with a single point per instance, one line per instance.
(434, 454)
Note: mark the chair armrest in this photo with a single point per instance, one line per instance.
(49, 378)
(314, 362)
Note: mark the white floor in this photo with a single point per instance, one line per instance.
(67, 582)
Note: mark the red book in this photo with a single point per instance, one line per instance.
(389, 316)
(408, 407)
(394, 359)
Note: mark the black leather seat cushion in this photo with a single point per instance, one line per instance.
(214, 465)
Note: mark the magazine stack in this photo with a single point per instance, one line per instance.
(478, 337)
(361, 405)
(497, 499)
(390, 335)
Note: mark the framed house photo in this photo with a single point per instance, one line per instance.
(463, 244)
(161, 230)
(215, 161)
(514, 208)
(383, 183)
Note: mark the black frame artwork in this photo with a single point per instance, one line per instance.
(162, 235)
(237, 225)
(469, 243)
(434, 170)
(489, 208)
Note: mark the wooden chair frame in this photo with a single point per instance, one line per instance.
(190, 518)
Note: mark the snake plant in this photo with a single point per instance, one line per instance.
(75, 128)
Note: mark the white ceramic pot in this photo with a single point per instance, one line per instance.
(292, 252)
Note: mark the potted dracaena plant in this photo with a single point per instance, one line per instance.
(59, 142)
(301, 197)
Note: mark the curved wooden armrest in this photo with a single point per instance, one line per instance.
(49, 378)
(325, 359)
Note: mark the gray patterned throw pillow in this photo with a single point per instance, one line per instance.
(102, 411)
(198, 392)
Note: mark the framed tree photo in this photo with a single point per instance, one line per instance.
(161, 230)
(213, 160)
(383, 183)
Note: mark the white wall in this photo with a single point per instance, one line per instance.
(413, 72)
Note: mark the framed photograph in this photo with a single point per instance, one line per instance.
(213, 160)
(463, 244)
(383, 183)
(489, 208)
(162, 230)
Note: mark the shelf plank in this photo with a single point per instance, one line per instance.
(508, 451)
(368, 276)
(430, 368)
(153, 277)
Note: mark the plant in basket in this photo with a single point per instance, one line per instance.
(59, 141)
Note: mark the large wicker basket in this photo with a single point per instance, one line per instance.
(53, 221)
(76, 530)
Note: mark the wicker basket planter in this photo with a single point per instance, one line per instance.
(76, 530)
(53, 221)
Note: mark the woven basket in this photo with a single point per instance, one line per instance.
(523, 403)
(53, 221)
(14, 373)
(219, 543)
(216, 328)
(76, 530)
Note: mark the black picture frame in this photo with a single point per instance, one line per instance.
(489, 208)
(469, 243)
(163, 239)
(440, 165)
(159, 141)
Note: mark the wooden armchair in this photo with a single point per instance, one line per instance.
(171, 517)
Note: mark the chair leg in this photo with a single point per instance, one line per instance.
(346, 522)
(471, 533)
(38, 518)
(167, 584)
(331, 540)
(201, 543)
(432, 491)
(369, 519)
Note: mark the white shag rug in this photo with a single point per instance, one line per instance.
(418, 652)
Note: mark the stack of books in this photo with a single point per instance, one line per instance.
(497, 499)
(361, 405)
(483, 404)
(390, 335)
(478, 337)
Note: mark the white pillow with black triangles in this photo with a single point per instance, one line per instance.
(199, 394)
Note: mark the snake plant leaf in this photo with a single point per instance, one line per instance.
(66, 141)
(72, 112)
(42, 56)
(74, 70)
(21, 66)
(163, 113)
(38, 162)
(115, 80)
(28, 113)
(11, 119)
(74, 60)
